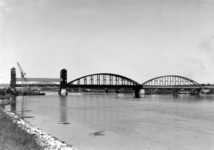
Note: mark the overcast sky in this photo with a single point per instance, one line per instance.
(139, 39)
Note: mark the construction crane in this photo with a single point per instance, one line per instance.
(24, 79)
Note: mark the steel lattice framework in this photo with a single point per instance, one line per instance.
(44, 83)
(41, 84)
(171, 80)
(104, 79)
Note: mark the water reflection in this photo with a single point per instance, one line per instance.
(144, 120)
(97, 111)
(10, 105)
(13, 104)
(178, 98)
(24, 107)
(63, 110)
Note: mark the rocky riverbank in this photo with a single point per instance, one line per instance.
(44, 140)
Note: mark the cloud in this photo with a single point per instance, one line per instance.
(43, 3)
(193, 68)
(12, 5)
(200, 62)
(207, 45)
(8, 9)
(3, 5)
(6, 5)
(206, 50)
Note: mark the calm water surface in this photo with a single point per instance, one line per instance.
(156, 122)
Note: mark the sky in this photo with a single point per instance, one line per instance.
(138, 39)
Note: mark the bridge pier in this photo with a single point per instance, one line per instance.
(198, 90)
(195, 91)
(137, 93)
(147, 92)
(175, 91)
(63, 83)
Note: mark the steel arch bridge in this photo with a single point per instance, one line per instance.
(103, 80)
(171, 81)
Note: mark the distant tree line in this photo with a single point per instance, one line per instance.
(208, 84)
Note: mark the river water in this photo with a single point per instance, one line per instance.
(152, 122)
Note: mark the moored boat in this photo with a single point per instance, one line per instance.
(184, 92)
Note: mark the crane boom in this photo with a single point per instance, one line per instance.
(21, 71)
(24, 79)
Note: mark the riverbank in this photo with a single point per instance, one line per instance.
(17, 134)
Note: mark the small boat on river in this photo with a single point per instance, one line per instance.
(184, 92)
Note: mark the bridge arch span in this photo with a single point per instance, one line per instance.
(171, 80)
(103, 79)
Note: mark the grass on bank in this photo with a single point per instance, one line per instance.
(13, 137)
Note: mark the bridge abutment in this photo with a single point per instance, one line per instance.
(63, 82)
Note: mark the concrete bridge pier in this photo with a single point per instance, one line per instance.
(198, 90)
(175, 91)
(147, 92)
(195, 91)
(137, 93)
(63, 82)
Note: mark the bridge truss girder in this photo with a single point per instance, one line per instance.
(102, 86)
(171, 87)
(41, 85)
(171, 81)
(104, 80)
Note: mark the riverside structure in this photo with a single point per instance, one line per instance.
(111, 81)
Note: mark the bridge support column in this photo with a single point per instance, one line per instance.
(198, 90)
(147, 92)
(195, 91)
(175, 91)
(13, 79)
(137, 93)
(63, 83)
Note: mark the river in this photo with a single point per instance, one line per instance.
(152, 122)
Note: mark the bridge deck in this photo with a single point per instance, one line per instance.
(41, 79)
(103, 86)
(113, 86)
(40, 85)
(170, 87)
